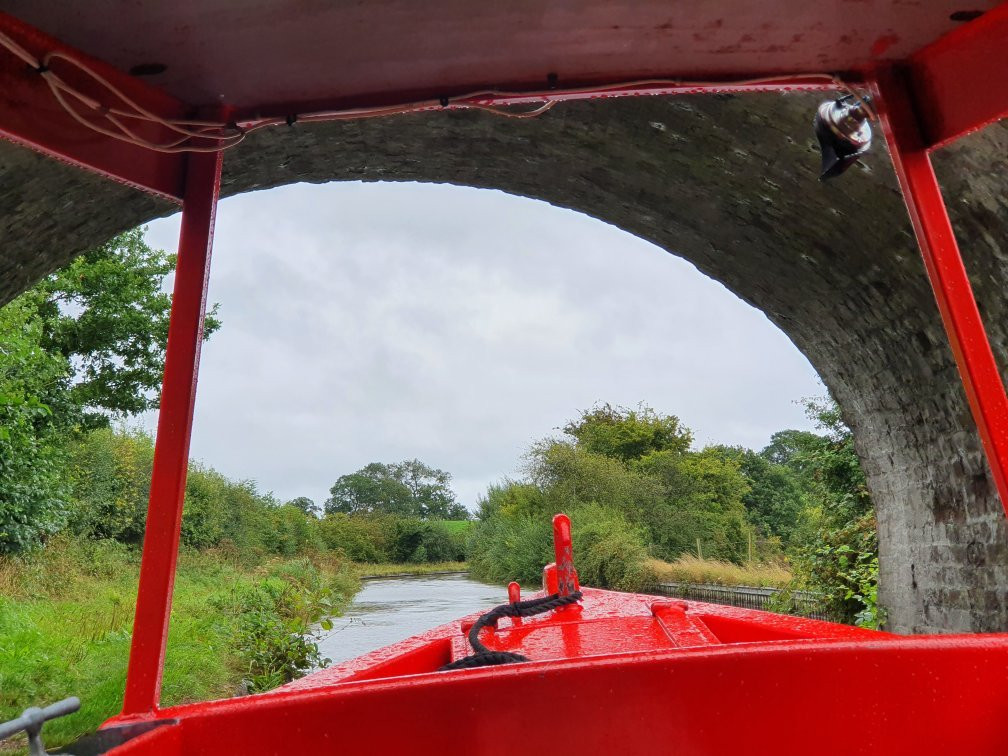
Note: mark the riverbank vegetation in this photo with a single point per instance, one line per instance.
(691, 569)
(365, 571)
(647, 505)
(237, 625)
(79, 353)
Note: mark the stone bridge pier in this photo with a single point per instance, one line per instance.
(728, 183)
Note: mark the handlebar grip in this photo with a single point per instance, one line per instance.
(33, 718)
(61, 708)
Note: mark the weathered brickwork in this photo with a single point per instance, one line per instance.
(729, 184)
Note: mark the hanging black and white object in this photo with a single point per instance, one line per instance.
(844, 132)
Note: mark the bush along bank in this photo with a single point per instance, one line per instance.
(237, 627)
(643, 501)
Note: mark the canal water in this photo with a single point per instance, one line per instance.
(388, 610)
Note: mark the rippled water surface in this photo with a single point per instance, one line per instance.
(392, 609)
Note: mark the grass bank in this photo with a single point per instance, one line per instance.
(388, 569)
(66, 613)
(690, 569)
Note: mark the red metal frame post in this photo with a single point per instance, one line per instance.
(171, 451)
(563, 552)
(974, 357)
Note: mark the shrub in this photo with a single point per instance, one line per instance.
(608, 551)
(503, 548)
(275, 630)
(362, 539)
(292, 532)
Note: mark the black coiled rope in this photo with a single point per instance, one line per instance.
(484, 657)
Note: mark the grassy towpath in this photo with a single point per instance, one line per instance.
(66, 613)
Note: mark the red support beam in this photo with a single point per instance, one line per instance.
(981, 378)
(960, 81)
(171, 450)
(30, 115)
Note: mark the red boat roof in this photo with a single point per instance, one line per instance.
(259, 55)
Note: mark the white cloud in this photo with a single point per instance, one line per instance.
(369, 322)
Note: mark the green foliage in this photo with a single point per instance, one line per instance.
(306, 505)
(106, 314)
(505, 548)
(776, 496)
(110, 479)
(360, 538)
(65, 614)
(276, 633)
(702, 498)
(837, 553)
(840, 562)
(408, 488)
(611, 553)
(626, 434)
(568, 475)
(391, 538)
(790, 448)
(512, 499)
(631, 484)
(84, 344)
(416, 540)
(291, 532)
(31, 488)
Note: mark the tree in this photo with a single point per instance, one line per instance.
(430, 489)
(702, 498)
(106, 315)
(628, 434)
(305, 504)
(791, 448)
(32, 381)
(776, 497)
(408, 488)
(373, 488)
(82, 345)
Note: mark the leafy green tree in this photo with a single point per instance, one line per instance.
(409, 488)
(430, 490)
(791, 448)
(106, 315)
(776, 497)
(628, 434)
(32, 382)
(568, 476)
(512, 498)
(373, 488)
(84, 344)
(306, 505)
(702, 498)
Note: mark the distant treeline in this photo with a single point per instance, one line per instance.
(110, 472)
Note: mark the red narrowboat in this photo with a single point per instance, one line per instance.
(570, 669)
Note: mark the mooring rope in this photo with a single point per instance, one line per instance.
(483, 656)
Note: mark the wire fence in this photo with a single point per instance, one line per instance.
(799, 603)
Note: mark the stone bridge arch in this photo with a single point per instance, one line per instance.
(728, 183)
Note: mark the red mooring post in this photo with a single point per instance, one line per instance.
(981, 378)
(171, 449)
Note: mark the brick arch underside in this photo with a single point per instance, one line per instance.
(727, 183)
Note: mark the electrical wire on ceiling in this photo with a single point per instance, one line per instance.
(121, 120)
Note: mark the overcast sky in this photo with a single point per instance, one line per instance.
(380, 322)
